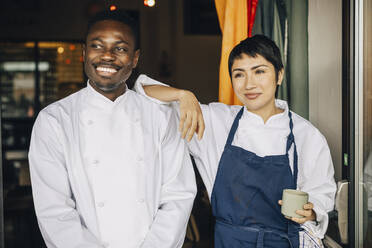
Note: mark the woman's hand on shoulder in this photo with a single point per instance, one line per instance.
(191, 116)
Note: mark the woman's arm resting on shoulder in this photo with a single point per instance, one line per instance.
(191, 117)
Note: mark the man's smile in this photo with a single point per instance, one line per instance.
(106, 70)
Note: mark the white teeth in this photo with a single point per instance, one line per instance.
(105, 69)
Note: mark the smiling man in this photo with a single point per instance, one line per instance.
(110, 54)
(108, 167)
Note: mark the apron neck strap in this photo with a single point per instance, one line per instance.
(290, 138)
(290, 141)
(234, 127)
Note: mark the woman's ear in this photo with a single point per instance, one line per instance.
(280, 76)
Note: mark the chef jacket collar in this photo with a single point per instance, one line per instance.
(252, 118)
(99, 100)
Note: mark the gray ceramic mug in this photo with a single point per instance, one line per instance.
(293, 200)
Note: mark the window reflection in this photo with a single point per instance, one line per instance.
(65, 74)
(17, 79)
(32, 75)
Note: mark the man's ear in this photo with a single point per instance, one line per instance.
(280, 76)
(83, 52)
(136, 58)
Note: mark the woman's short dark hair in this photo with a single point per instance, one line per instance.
(119, 16)
(258, 45)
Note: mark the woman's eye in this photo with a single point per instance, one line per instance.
(238, 75)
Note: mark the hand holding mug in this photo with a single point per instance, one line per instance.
(307, 212)
(295, 206)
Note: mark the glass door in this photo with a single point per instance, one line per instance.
(363, 124)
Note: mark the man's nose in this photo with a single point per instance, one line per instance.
(108, 55)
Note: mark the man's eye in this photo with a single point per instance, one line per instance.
(121, 49)
(95, 46)
(260, 71)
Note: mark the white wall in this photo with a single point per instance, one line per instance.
(325, 71)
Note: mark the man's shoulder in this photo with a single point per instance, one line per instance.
(147, 105)
(65, 105)
(155, 116)
(158, 121)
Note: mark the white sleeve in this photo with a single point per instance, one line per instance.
(144, 80)
(318, 181)
(177, 193)
(197, 148)
(57, 216)
(204, 151)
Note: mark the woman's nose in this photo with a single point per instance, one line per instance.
(250, 82)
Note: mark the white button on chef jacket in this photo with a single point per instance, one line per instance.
(87, 184)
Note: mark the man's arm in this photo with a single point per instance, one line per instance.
(177, 193)
(57, 216)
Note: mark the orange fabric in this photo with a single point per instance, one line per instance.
(233, 19)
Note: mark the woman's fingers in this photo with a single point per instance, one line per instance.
(192, 129)
(183, 116)
(191, 121)
(194, 123)
(201, 126)
(299, 220)
(308, 206)
(187, 124)
(306, 213)
(191, 116)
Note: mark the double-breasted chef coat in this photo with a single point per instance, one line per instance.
(110, 173)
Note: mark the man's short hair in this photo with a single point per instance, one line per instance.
(119, 16)
(258, 45)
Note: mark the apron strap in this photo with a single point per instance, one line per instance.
(290, 141)
(260, 241)
(234, 127)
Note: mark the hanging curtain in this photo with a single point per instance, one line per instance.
(285, 22)
(236, 20)
(297, 60)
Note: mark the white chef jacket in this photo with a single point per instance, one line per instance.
(315, 167)
(110, 173)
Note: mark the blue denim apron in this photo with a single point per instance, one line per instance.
(246, 193)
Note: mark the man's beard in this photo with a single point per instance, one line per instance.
(110, 87)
